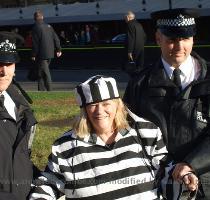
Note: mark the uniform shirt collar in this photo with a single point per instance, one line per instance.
(9, 105)
(186, 67)
(190, 70)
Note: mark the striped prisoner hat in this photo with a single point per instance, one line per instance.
(175, 23)
(96, 89)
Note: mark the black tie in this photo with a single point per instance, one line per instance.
(176, 78)
(2, 102)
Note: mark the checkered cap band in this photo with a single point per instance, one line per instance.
(96, 89)
(7, 46)
(180, 21)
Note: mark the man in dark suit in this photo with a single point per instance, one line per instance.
(45, 43)
(174, 94)
(136, 38)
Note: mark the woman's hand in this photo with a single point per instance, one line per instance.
(183, 173)
(191, 181)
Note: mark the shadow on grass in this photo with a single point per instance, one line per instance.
(57, 122)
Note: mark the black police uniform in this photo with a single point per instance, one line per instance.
(184, 117)
(16, 169)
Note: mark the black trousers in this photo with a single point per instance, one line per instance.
(139, 59)
(44, 80)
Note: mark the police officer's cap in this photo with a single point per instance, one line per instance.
(178, 22)
(8, 52)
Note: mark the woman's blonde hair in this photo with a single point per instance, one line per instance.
(83, 127)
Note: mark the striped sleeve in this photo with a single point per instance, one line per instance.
(151, 139)
(50, 185)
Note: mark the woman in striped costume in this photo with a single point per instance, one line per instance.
(102, 157)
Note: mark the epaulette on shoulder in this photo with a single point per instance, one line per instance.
(144, 70)
(135, 76)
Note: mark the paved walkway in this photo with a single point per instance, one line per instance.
(65, 80)
(59, 86)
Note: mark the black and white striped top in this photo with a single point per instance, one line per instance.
(89, 169)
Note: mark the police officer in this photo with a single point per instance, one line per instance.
(16, 127)
(174, 93)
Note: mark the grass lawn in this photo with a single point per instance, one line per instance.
(54, 112)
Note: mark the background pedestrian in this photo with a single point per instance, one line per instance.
(45, 43)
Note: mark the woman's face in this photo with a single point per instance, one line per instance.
(101, 115)
(174, 50)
